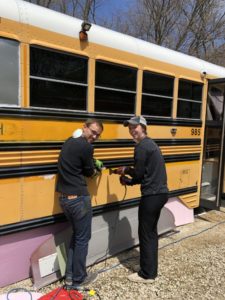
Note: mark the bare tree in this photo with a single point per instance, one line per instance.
(195, 27)
(204, 27)
(45, 3)
(78, 8)
(83, 9)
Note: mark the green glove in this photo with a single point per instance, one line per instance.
(98, 164)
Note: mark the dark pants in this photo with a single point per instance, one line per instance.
(79, 214)
(148, 216)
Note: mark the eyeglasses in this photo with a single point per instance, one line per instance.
(94, 133)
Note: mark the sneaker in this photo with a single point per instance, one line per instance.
(91, 277)
(68, 282)
(136, 278)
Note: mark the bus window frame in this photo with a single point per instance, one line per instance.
(104, 88)
(60, 81)
(191, 100)
(171, 98)
(18, 104)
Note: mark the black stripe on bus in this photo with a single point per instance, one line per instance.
(6, 146)
(50, 220)
(168, 159)
(182, 157)
(81, 116)
(34, 170)
(159, 142)
(134, 202)
(98, 210)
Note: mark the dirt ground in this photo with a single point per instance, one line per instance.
(191, 266)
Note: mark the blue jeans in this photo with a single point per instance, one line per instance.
(79, 214)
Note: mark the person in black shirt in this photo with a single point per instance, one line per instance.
(149, 171)
(75, 163)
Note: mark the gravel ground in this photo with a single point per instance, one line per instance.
(191, 266)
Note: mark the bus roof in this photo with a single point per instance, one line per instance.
(44, 18)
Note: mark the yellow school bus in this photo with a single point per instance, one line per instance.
(53, 78)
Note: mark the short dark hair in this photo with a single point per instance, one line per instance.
(144, 127)
(88, 122)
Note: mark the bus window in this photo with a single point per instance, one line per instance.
(57, 79)
(189, 99)
(157, 94)
(9, 75)
(115, 88)
(215, 104)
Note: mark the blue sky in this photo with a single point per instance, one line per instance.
(114, 4)
(110, 7)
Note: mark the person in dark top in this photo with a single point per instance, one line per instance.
(75, 163)
(148, 171)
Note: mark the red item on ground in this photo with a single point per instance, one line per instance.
(61, 294)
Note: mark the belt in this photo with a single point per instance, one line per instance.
(69, 197)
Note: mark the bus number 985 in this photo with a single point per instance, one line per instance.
(195, 131)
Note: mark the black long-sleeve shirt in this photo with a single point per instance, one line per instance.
(75, 162)
(149, 168)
